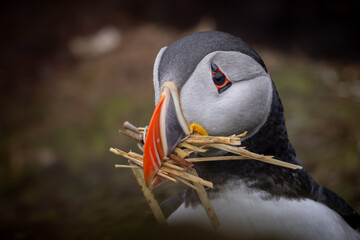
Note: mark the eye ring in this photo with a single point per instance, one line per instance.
(220, 80)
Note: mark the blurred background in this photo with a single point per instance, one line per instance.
(72, 72)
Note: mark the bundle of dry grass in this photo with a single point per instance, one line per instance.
(177, 167)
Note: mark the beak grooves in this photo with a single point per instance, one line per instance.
(152, 149)
(166, 129)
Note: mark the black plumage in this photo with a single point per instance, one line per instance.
(180, 59)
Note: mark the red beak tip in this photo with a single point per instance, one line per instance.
(153, 152)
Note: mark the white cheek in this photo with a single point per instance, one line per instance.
(253, 106)
(197, 98)
(243, 107)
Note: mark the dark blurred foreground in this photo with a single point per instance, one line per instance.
(71, 73)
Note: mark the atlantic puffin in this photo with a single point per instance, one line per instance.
(218, 81)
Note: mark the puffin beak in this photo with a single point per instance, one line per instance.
(166, 129)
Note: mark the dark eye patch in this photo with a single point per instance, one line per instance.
(221, 82)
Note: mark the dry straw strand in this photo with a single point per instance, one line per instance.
(177, 167)
(149, 196)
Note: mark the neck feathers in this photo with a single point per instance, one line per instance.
(272, 138)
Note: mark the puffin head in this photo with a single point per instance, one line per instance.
(212, 79)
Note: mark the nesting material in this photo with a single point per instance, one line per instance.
(178, 166)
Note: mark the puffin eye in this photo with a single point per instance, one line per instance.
(220, 80)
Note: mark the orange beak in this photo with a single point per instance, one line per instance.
(166, 129)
